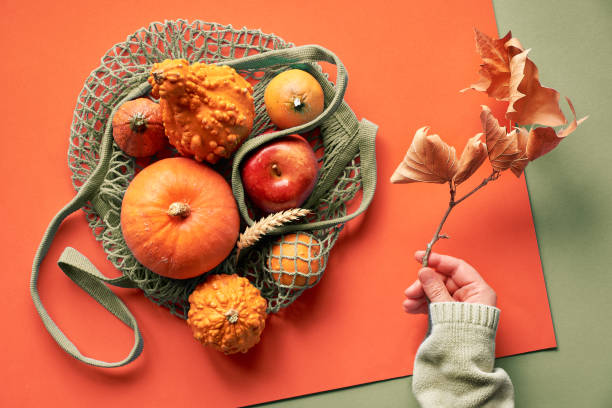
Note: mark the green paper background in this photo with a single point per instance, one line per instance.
(571, 199)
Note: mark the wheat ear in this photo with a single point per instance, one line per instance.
(253, 233)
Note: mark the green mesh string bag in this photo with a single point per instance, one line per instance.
(289, 259)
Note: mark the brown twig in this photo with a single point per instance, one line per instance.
(452, 204)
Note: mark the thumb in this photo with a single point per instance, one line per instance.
(433, 286)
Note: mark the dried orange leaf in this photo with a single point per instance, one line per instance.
(542, 140)
(518, 165)
(495, 69)
(473, 155)
(574, 123)
(530, 102)
(507, 74)
(517, 68)
(502, 148)
(429, 160)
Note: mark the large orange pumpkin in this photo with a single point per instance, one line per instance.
(179, 218)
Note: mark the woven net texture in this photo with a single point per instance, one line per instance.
(281, 267)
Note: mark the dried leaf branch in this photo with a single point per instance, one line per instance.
(506, 74)
(265, 225)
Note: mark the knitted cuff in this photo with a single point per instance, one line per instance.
(461, 312)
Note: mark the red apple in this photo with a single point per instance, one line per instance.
(281, 174)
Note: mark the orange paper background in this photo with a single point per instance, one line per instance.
(406, 63)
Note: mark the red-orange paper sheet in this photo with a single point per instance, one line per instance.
(407, 62)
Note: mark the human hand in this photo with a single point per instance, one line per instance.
(446, 279)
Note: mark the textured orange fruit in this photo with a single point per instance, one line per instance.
(227, 313)
(294, 260)
(207, 110)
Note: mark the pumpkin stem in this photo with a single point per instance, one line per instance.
(158, 76)
(139, 122)
(179, 209)
(232, 316)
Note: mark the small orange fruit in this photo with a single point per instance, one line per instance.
(138, 129)
(294, 260)
(292, 98)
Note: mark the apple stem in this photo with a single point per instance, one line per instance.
(276, 170)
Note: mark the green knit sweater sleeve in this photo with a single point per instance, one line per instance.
(454, 366)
